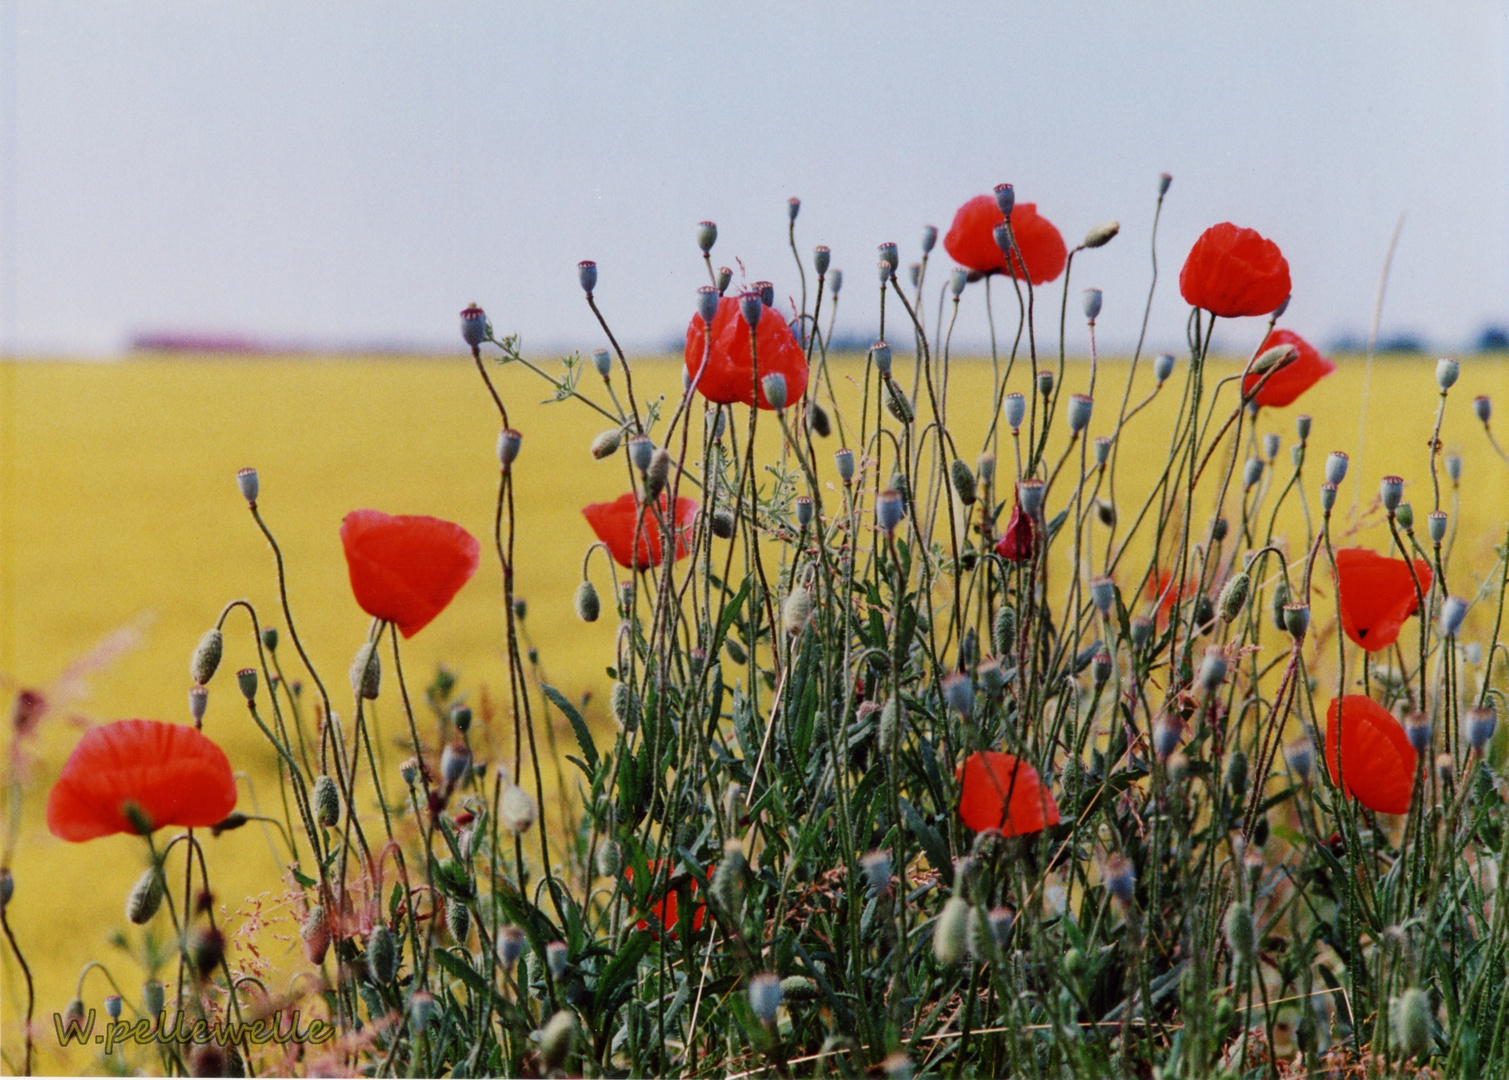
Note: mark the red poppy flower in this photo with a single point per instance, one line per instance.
(406, 569)
(665, 909)
(1377, 762)
(172, 774)
(727, 379)
(1294, 378)
(614, 522)
(971, 241)
(1002, 793)
(1232, 272)
(1376, 595)
(1018, 541)
(1162, 590)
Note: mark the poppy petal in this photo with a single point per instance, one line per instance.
(614, 523)
(971, 241)
(1377, 595)
(726, 377)
(406, 568)
(173, 774)
(1377, 763)
(1286, 384)
(1232, 272)
(998, 791)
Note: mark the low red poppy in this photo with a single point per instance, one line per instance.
(614, 522)
(1233, 271)
(666, 909)
(1377, 762)
(1376, 595)
(998, 791)
(727, 379)
(1162, 590)
(971, 241)
(406, 568)
(1017, 543)
(171, 773)
(1294, 378)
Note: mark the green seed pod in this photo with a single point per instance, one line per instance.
(206, 657)
(796, 610)
(1074, 963)
(897, 404)
(382, 955)
(963, 478)
(270, 638)
(1236, 773)
(1004, 631)
(144, 898)
(798, 988)
(891, 716)
(1241, 934)
(1276, 604)
(588, 607)
(625, 706)
(1412, 1018)
(1204, 612)
(458, 920)
(327, 801)
(951, 931)
(153, 998)
(658, 474)
(610, 859)
(366, 672)
(1234, 596)
(606, 444)
(728, 878)
(1225, 1013)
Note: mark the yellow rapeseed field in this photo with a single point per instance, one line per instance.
(124, 536)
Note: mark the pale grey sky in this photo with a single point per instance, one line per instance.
(358, 172)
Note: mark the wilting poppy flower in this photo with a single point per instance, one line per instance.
(728, 379)
(1002, 793)
(1017, 542)
(666, 909)
(1232, 271)
(1294, 378)
(1377, 762)
(406, 569)
(614, 522)
(971, 241)
(1376, 595)
(171, 774)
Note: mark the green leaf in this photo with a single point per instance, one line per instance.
(578, 725)
(932, 843)
(617, 979)
(303, 878)
(474, 980)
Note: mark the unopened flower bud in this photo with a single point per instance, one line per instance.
(421, 1011)
(207, 950)
(327, 801)
(587, 604)
(586, 275)
(1078, 412)
(817, 419)
(516, 810)
(144, 898)
(951, 931)
(1101, 235)
(765, 996)
(722, 523)
(1390, 491)
(366, 672)
(7, 886)
(1005, 198)
(1447, 371)
(1301, 757)
(1413, 1022)
(1090, 300)
(822, 257)
(609, 859)
(557, 1038)
(1014, 409)
(461, 716)
(1234, 596)
(1163, 366)
(658, 474)
(206, 658)
(1241, 933)
(1236, 772)
(1166, 734)
(1453, 611)
(606, 444)
(458, 920)
(796, 610)
(963, 480)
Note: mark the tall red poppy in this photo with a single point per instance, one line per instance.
(614, 522)
(1233, 271)
(1018, 541)
(1377, 763)
(406, 568)
(971, 241)
(1376, 595)
(728, 379)
(172, 774)
(666, 908)
(1294, 378)
(998, 791)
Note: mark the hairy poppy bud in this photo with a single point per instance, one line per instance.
(1005, 198)
(1453, 611)
(1447, 371)
(199, 699)
(803, 511)
(1241, 933)
(144, 898)
(1101, 235)
(606, 444)
(1090, 301)
(382, 955)
(1454, 467)
(327, 801)
(557, 1038)
(1236, 772)
(366, 672)
(455, 761)
(206, 658)
(1301, 757)
(1078, 413)
(950, 932)
(889, 510)
(516, 810)
(727, 883)
(1252, 472)
(1390, 491)
(822, 257)
(587, 604)
(958, 278)
(1003, 630)
(1297, 620)
(246, 480)
(836, 282)
(964, 482)
(1030, 496)
(458, 920)
(1276, 357)
(1412, 1019)
(246, 679)
(1163, 366)
(658, 474)
(817, 418)
(586, 275)
(1327, 496)
(722, 523)
(1014, 409)
(609, 858)
(707, 235)
(844, 460)
(889, 255)
(773, 386)
(1103, 594)
(1234, 596)
(509, 441)
(765, 996)
(314, 933)
(796, 610)
(1045, 382)
(1478, 723)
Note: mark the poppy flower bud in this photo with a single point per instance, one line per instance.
(1212, 668)
(822, 257)
(765, 996)
(1166, 734)
(1163, 367)
(1014, 408)
(992, 678)
(606, 444)
(327, 801)
(1404, 513)
(1103, 594)
(766, 291)
(659, 472)
(722, 523)
(144, 898)
(1029, 495)
(1005, 198)
(1327, 496)
(889, 254)
(836, 281)
(1453, 611)
(1417, 729)
(246, 480)
(750, 307)
(877, 868)
(1252, 472)
(641, 451)
(958, 277)
(473, 325)
(461, 716)
(1101, 235)
(199, 699)
(773, 386)
(206, 658)
(366, 672)
(1241, 933)
(1276, 357)
(964, 482)
(382, 955)
(1234, 596)
(914, 274)
(844, 460)
(889, 510)
(207, 950)
(929, 238)
(1454, 467)
(421, 1011)
(959, 693)
(1003, 629)
(796, 610)
(817, 419)
(246, 679)
(1390, 491)
(1090, 300)
(1078, 412)
(803, 511)
(586, 602)
(586, 274)
(1120, 879)
(516, 810)
(458, 920)
(1447, 371)
(510, 945)
(1270, 445)
(1478, 723)
(609, 858)
(455, 761)
(1412, 1020)
(950, 932)
(557, 1038)
(1045, 382)
(1336, 467)
(707, 235)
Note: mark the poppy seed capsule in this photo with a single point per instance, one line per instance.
(458, 920)
(1045, 382)
(1327, 496)
(1271, 445)
(206, 658)
(516, 810)
(1478, 723)
(844, 460)
(722, 523)
(773, 387)
(958, 278)
(964, 482)
(751, 308)
(914, 274)
(246, 679)
(1297, 454)
(959, 693)
(889, 510)
(951, 931)
(455, 760)
(1163, 367)
(556, 957)
(382, 955)
(929, 238)
(1213, 668)
(1005, 198)
(327, 801)
(985, 465)
(1241, 934)
(1336, 467)
(659, 472)
(1447, 371)
(992, 678)
(1404, 513)
(246, 480)
(1435, 524)
(366, 672)
(796, 610)
(1120, 879)
(1014, 408)
(1453, 611)
(1418, 730)
(803, 511)
(1297, 620)
(144, 898)
(1078, 413)
(836, 281)
(113, 1006)
(767, 293)
(1100, 668)
(586, 275)
(1166, 733)
(473, 325)
(888, 253)
(765, 996)
(199, 699)
(509, 441)
(421, 1011)
(822, 257)
(707, 235)
(1454, 467)
(409, 770)
(606, 444)
(510, 945)
(1301, 757)
(877, 868)
(817, 419)
(588, 606)
(461, 716)
(1029, 495)
(641, 451)
(1390, 491)
(1103, 594)
(1090, 300)
(1252, 472)
(880, 354)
